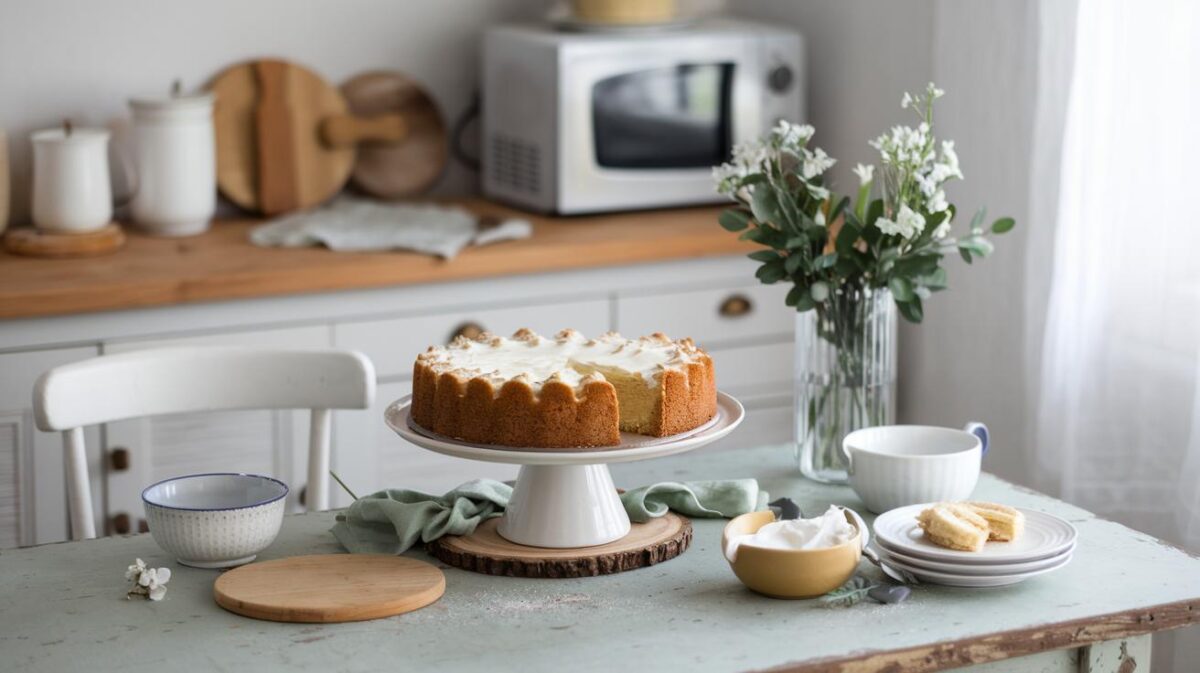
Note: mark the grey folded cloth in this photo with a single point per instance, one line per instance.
(352, 224)
(392, 521)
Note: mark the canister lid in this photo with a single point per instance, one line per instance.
(164, 103)
(76, 135)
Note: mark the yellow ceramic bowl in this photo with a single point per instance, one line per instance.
(790, 573)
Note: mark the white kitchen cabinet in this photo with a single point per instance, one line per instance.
(715, 300)
(32, 486)
(712, 316)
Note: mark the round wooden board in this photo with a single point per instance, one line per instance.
(329, 588)
(407, 168)
(320, 171)
(36, 243)
(484, 551)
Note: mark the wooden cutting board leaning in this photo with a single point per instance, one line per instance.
(397, 170)
(287, 140)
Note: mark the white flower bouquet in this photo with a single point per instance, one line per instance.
(822, 243)
(849, 262)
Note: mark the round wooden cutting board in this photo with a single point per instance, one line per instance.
(484, 551)
(397, 170)
(329, 588)
(270, 154)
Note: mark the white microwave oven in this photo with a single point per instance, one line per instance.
(590, 122)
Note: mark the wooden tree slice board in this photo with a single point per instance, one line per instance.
(484, 551)
(407, 168)
(329, 588)
(315, 171)
(37, 243)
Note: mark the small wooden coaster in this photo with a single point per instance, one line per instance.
(329, 588)
(484, 551)
(36, 243)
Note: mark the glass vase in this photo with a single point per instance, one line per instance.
(845, 376)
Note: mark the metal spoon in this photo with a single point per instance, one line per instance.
(898, 574)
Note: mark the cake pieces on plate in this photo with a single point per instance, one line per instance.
(1005, 523)
(529, 391)
(967, 526)
(954, 526)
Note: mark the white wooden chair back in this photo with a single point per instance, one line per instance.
(196, 379)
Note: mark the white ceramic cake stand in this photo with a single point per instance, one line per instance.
(565, 498)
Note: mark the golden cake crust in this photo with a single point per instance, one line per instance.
(557, 413)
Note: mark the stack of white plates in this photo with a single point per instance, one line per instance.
(1046, 544)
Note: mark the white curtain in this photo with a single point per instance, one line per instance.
(1118, 400)
(1118, 419)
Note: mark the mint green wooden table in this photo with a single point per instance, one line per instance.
(62, 608)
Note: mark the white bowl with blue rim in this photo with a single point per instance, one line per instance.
(215, 520)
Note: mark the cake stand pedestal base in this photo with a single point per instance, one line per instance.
(485, 551)
(564, 506)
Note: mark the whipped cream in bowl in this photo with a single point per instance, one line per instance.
(831, 529)
(795, 558)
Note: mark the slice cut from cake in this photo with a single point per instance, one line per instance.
(954, 526)
(563, 392)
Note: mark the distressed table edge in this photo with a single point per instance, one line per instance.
(1007, 644)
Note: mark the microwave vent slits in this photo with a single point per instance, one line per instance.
(515, 164)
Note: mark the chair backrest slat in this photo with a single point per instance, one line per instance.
(176, 380)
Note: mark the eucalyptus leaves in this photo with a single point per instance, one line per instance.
(827, 246)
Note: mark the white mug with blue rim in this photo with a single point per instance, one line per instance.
(896, 465)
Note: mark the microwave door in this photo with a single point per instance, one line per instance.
(641, 131)
(673, 117)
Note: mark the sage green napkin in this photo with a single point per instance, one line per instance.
(392, 521)
(722, 499)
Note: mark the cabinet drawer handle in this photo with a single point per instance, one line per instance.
(118, 459)
(469, 330)
(120, 524)
(736, 306)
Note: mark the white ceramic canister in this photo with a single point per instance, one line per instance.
(176, 159)
(71, 188)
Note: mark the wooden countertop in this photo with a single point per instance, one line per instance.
(223, 264)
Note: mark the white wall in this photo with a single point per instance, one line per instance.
(862, 54)
(83, 60)
(965, 362)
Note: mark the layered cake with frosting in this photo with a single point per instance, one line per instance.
(567, 391)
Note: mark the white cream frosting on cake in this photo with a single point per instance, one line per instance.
(563, 391)
(569, 357)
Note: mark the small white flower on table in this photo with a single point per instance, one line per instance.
(148, 582)
(134, 571)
